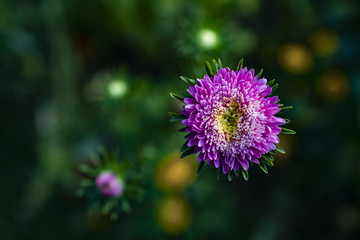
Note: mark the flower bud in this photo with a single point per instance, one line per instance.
(109, 184)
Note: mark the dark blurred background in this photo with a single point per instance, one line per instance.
(76, 75)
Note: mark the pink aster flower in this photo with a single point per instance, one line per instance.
(109, 184)
(231, 120)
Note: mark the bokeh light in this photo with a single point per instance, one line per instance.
(117, 88)
(174, 214)
(333, 85)
(207, 38)
(295, 58)
(324, 42)
(175, 173)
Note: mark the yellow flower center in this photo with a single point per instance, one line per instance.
(229, 119)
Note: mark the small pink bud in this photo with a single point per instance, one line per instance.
(109, 184)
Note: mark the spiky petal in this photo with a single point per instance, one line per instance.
(231, 119)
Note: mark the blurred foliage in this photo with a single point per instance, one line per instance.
(78, 74)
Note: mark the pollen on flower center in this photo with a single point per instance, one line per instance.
(228, 121)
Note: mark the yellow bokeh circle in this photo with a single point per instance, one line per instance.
(175, 173)
(295, 58)
(174, 215)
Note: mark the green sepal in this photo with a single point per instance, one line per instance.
(279, 149)
(208, 69)
(260, 73)
(125, 206)
(184, 147)
(284, 109)
(237, 172)
(216, 65)
(188, 152)
(182, 129)
(271, 158)
(287, 131)
(240, 64)
(176, 117)
(113, 216)
(188, 81)
(220, 63)
(266, 160)
(272, 152)
(230, 175)
(271, 82)
(201, 165)
(87, 170)
(274, 88)
(245, 174)
(177, 97)
(86, 183)
(263, 168)
(287, 120)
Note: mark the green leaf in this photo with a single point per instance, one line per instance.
(176, 117)
(279, 149)
(230, 176)
(177, 97)
(182, 129)
(245, 174)
(287, 120)
(287, 131)
(208, 69)
(260, 73)
(188, 81)
(271, 82)
(201, 165)
(284, 109)
(184, 147)
(263, 167)
(188, 152)
(240, 65)
(266, 160)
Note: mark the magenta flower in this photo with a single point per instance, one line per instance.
(231, 120)
(109, 184)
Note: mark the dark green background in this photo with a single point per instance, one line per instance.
(51, 51)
